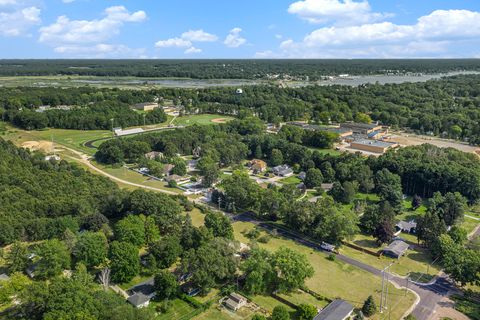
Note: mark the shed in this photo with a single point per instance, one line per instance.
(336, 310)
(396, 249)
(235, 301)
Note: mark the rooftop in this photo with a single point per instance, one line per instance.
(336, 310)
(376, 143)
(360, 125)
(397, 247)
(138, 299)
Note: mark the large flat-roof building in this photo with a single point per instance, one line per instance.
(145, 106)
(363, 128)
(375, 146)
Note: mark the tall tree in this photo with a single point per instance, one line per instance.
(125, 263)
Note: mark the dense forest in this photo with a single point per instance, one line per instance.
(448, 107)
(231, 69)
(86, 108)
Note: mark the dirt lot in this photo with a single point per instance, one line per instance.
(407, 139)
(220, 120)
(45, 146)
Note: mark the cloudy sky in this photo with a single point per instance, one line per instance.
(239, 29)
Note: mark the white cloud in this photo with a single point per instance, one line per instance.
(343, 12)
(192, 50)
(186, 40)
(199, 36)
(101, 50)
(234, 39)
(66, 31)
(173, 42)
(278, 36)
(17, 17)
(438, 32)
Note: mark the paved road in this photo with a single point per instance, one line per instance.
(430, 294)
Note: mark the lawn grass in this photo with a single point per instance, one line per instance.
(178, 310)
(200, 119)
(335, 279)
(135, 177)
(136, 280)
(198, 218)
(331, 152)
(291, 180)
(469, 224)
(415, 262)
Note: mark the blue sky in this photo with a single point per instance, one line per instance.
(239, 29)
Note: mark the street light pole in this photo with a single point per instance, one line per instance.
(112, 120)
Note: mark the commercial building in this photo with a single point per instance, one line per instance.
(363, 128)
(146, 106)
(375, 146)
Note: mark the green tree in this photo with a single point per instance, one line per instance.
(276, 157)
(209, 170)
(54, 257)
(257, 316)
(91, 248)
(166, 286)
(293, 269)
(180, 166)
(17, 258)
(131, 229)
(389, 188)
(306, 312)
(152, 233)
(313, 178)
(280, 313)
(369, 307)
(259, 271)
(219, 224)
(124, 260)
(166, 251)
(211, 263)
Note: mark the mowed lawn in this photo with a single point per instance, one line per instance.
(416, 262)
(201, 119)
(335, 279)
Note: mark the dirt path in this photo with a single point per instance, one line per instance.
(83, 158)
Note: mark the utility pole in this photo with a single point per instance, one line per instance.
(144, 120)
(385, 283)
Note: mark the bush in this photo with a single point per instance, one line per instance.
(172, 184)
(332, 257)
(369, 307)
(264, 239)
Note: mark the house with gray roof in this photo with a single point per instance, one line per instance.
(396, 249)
(139, 300)
(336, 310)
(283, 170)
(406, 226)
(4, 277)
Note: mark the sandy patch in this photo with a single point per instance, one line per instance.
(405, 139)
(220, 120)
(45, 146)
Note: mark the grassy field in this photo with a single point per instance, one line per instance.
(134, 177)
(70, 138)
(290, 180)
(178, 310)
(415, 262)
(334, 278)
(200, 119)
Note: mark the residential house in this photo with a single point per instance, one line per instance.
(283, 170)
(258, 166)
(406, 226)
(154, 155)
(396, 249)
(139, 300)
(235, 301)
(302, 175)
(336, 310)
